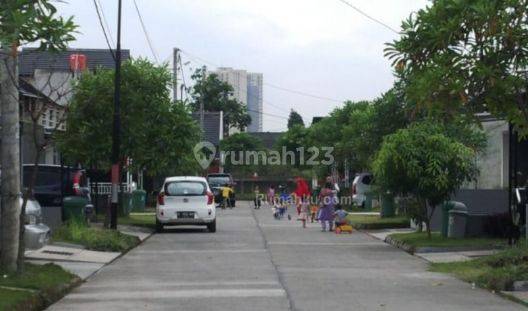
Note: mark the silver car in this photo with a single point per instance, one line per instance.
(36, 233)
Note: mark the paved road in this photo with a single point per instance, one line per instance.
(256, 263)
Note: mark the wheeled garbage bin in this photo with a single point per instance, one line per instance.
(458, 216)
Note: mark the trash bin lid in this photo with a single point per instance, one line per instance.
(458, 208)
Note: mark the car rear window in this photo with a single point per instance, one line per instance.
(367, 179)
(219, 180)
(183, 188)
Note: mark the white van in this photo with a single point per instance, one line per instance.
(361, 185)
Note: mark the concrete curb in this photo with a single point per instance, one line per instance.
(428, 250)
(121, 255)
(43, 299)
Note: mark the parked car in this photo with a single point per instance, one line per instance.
(185, 200)
(47, 189)
(217, 181)
(361, 185)
(36, 234)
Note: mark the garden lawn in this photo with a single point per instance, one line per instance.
(358, 209)
(376, 222)
(43, 279)
(420, 239)
(496, 272)
(97, 239)
(147, 220)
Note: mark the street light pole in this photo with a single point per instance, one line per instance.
(116, 174)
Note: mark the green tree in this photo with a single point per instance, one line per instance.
(423, 162)
(21, 22)
(295, 119)
(236, 147)
(363, 134)
(294, 142)
(157, 135)
(466, 56)
(216, 95)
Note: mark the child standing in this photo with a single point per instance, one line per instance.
(257, 199)
(226, 195)
(305, 210)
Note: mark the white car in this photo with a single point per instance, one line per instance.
(360, 186)
(185, 200)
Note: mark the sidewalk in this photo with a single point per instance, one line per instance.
(77, 260)
(431, 256)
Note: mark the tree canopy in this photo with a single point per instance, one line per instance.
(235, 147)
(157, 134)
(424, 162)
(216, 95)
(465, 57)
(295, 119)
(28, 21)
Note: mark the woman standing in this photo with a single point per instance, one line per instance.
(326, 213)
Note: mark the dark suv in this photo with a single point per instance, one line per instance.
(217, 181)
(47, 190)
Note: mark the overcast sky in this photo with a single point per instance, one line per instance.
(321, 47)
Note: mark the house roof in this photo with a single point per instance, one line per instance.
(28, 90)
(213, 124)
(268, 138)
(31, 59)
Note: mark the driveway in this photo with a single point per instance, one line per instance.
(254, 262)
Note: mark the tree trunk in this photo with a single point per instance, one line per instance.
(428, 216)
(27, 194)
(10, 160)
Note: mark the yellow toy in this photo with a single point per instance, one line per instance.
(344, 228)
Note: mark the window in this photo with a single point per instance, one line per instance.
(51, 119)
(182, 188)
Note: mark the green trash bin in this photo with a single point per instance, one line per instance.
(387, 206)
(368, 201)
(125, 204)
(73, 208)
(139, 198)
(446, 207)
(458, 217)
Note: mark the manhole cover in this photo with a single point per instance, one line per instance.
(57, 253)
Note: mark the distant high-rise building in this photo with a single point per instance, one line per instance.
(254, 104)
(237, 79)
(247, 89)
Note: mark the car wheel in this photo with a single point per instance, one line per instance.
(159, 226)
(212, 226)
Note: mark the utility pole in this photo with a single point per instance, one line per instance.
(116, 174)
(175, 61)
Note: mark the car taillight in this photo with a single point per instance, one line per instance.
(354, 189)
(210, 198)
(161, 198)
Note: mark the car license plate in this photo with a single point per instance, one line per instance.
(185, 214)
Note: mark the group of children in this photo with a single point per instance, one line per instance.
(308, 205)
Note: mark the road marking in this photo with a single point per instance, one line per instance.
(325, 244)
(185, 251)
(161, 284)
(194, 293)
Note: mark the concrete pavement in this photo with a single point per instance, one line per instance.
(254, 262)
